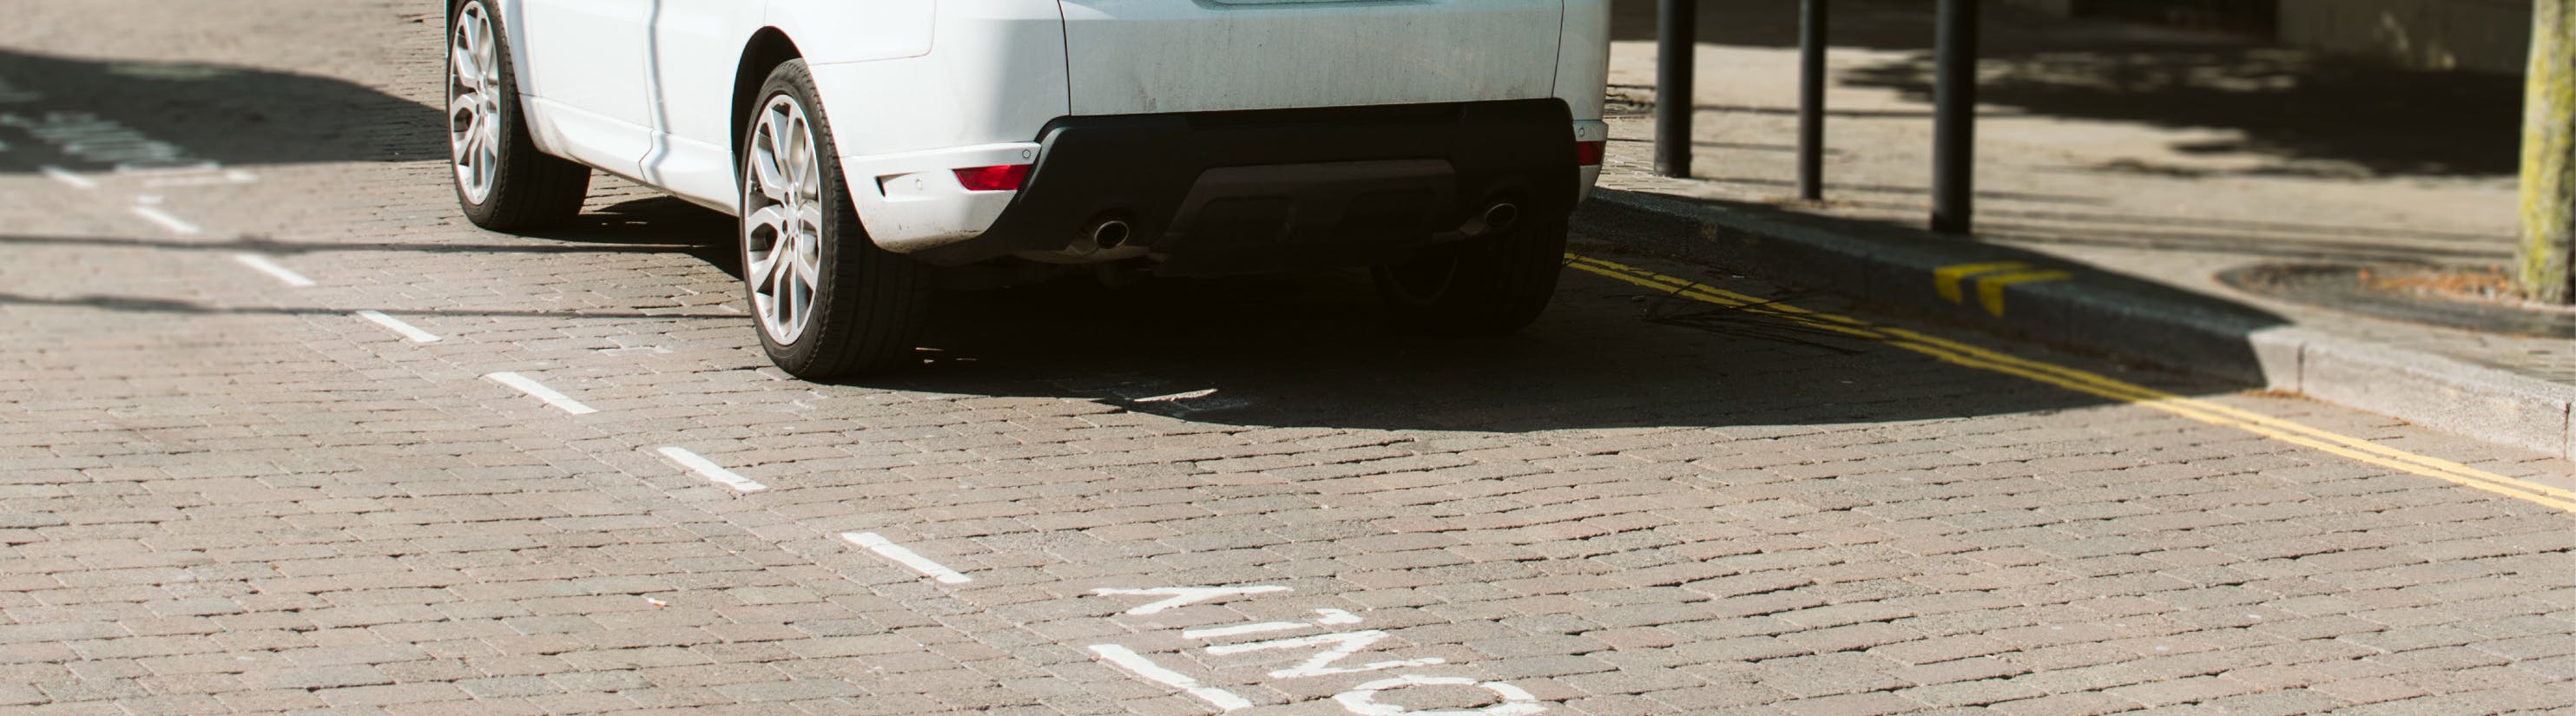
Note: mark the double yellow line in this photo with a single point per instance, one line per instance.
(1964, 355)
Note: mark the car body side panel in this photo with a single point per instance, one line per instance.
(697, 47)
(694, 50)
(997, 76)
(549, 138)
(581, 60)
(831, 31)
(1583, 57)
(994, 79)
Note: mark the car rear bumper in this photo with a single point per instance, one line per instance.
(1234, 192)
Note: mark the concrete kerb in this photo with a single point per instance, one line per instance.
(2100, 313)
(2425, 389)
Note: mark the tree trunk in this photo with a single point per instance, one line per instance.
(2543, 269)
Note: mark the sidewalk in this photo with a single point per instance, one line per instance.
(2139, 162)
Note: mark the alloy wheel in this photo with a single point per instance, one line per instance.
(782, 220)
(474, 102)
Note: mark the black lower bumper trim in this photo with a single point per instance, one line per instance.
(1238, 192)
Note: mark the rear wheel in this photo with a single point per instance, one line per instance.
(502, 181)
(830, 303)
(1489, 285)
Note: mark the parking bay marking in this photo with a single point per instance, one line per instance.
(1362, 700)
(1331, 617)
(262, 264)
(1184, 596)
(406, 330)
(1344, 645)
(94, 138)
(69, 177)
(1137, 664)
(889, 550)
(1512, 700)
(539, 391)
(200, 177)
(1964, 355)
(710, 470)
(164, 220)
(11, 94)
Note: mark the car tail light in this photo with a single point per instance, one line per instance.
(1589, 153)
(1006, 177)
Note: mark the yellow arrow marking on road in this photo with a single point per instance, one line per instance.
(1991, 278)
(1990, 289)
(1964, 355)
(1946, 279)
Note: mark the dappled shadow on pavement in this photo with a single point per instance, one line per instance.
(101, 114)
(147, 304)
(2305, 241)
(2319, 115)
(578, 240)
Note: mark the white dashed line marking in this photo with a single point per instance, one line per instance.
(165, 220)
(396, 325)
(229, 176)
(1335, 617)
(1187, 403)
(906, 557)
(1134, 663)
(710, 470)
(1176, 397)
(263, 265)
(69, 177)
(541, 392)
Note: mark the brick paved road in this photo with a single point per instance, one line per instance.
(223, 492)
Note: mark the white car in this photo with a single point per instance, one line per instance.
(877, 149)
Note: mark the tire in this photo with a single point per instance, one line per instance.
(502, 181)
(828, 301)
(1489, 285)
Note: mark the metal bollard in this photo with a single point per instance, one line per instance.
(1811, 100)
(1954, 123)
(1677, 37)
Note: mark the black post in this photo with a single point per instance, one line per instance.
(1811, 100)
(1677, 32)
(1954, 123)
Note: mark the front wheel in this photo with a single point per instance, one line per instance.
(1484, 286)
(829, 301)
(502, 181)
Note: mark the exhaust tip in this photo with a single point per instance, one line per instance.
(1108, 233)
(1495, 217)
(1501, 215)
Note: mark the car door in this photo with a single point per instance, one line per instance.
(583, 59)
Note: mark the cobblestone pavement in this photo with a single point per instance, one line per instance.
(236, 477)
